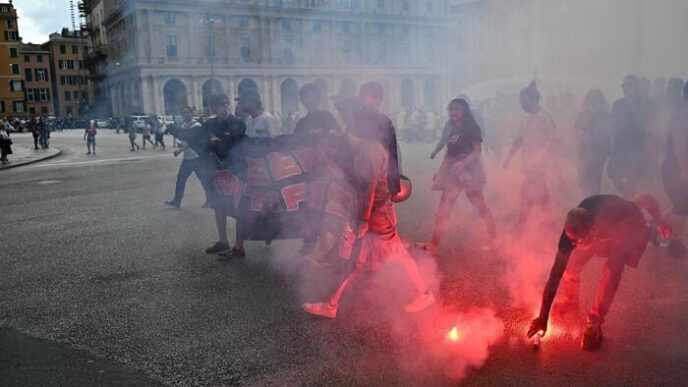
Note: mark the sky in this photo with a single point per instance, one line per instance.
(40, 18)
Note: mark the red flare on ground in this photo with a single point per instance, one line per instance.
(454, 334)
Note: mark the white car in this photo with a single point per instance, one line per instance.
(101, 123)
(139, 122)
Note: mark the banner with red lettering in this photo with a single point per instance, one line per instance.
(282, 188)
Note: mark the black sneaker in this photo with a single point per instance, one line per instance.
(218, 248)
(592, 337)
(677, 249)
(172, 203)
(231, 254)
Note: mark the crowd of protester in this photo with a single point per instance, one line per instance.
(643, 135)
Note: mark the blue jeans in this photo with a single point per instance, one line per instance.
(185, 169)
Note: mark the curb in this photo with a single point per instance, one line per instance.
(35, 160)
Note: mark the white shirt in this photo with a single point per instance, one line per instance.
(189, 153)
(261, 126)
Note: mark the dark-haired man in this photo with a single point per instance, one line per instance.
(631, 115)
(372, 121)
(219, 134)
(606, 226)
(316, 120)
(535, 140)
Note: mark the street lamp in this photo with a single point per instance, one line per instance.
(210, 20)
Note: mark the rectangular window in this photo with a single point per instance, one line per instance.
(47, 94)
(75, 49)
(62, 79)
(39, 58)
(63, 49)
(76, 64)
(44, 110)
(67, 95)
(10, 23)
(41, 75)
(18, 106)
(29, 95)
(317, 26)
(288, 49)
(28, 75)
(13, 52)
(246, 48)
(11, 35)
(286, 24)
(2, 106)
(169, 17)
(15, 68)
(171, 45)
(70, 64)
(68, 109)
(27, 58)
(43, 94)
(243, 22)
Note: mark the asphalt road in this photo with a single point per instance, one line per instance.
(103, 285)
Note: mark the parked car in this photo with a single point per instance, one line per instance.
(139, 122)
(102, 123)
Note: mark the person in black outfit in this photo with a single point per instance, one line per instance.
(317, 120)
(606, 226)
(371, 120)
(631, 117)
(594, 126)
(461, 170)
(213, 142)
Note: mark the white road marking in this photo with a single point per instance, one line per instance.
(98, 161)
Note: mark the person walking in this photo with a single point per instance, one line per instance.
(5, 144)
(594, 127)
(131, 129)
(146, 134)
(461, 170)
(191, 162)
(35, 132)
(90, 137)
(158, 132)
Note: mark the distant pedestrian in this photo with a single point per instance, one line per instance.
(35, 132)
(5, 144)
(132, 137)
(90, 137)
(146, 133)
(44, 133)
(158, 132)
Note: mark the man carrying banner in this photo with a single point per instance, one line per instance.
(217, 136)
(377, 229)
(607, 226)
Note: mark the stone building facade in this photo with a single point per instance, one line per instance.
(165, 53)
(38, 82)
(11, 82)
(70, 78)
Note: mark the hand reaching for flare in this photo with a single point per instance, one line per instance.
(539, 325)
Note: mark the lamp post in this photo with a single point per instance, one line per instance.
(209, 20)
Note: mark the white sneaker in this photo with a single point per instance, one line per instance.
(420, 302)
(320, 309)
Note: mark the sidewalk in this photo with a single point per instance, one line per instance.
(24, 154)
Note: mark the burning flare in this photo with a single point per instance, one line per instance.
(454, 334)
